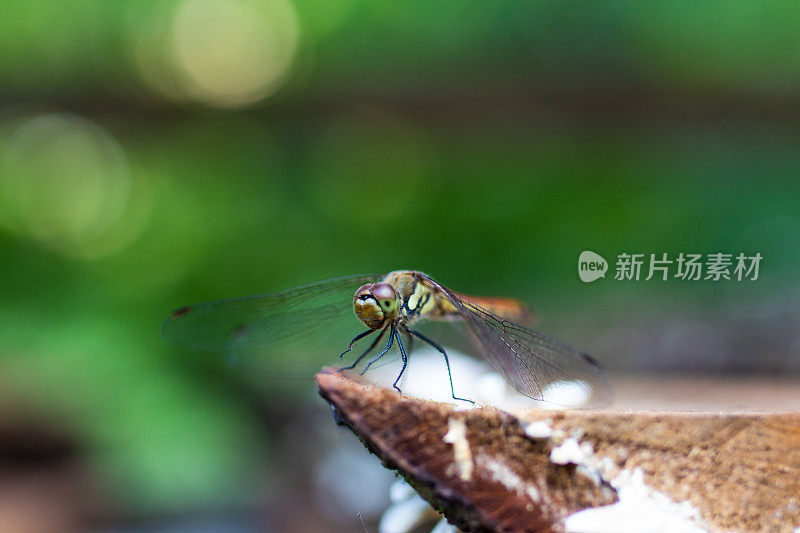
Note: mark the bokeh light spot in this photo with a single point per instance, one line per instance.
(66, 183)
(221, 53)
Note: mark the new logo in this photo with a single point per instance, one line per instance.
(591, 266)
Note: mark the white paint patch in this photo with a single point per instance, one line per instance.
(541, 429)
(639, 510)
(570, 452)
(502, 473)
(590, 473)
(457, 436)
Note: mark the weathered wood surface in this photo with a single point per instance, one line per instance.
(488, 470)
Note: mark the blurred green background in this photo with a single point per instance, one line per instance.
(154, 154)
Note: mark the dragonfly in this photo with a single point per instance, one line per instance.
(297, 322)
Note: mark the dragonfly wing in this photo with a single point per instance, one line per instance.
(508, 308)
(533, 363)
(298, 330)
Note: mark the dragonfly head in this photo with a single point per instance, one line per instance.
(375, 304)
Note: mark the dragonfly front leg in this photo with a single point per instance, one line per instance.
(363, 355)
(355, 340)
(392, 335)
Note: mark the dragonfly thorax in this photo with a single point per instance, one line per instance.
(417, 297)
(375, 304)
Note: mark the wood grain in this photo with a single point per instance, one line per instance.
(741, 471)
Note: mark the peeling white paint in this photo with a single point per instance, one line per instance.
(541, 429)
(570, 452)
(590, 473)
(457, 436)
(502, 473)
(639, 510)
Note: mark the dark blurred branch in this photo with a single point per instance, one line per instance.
(501, 105)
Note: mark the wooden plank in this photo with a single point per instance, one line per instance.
(532, 470)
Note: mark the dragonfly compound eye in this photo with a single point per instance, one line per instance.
(387, 299)
(374, 304)
(362, 293)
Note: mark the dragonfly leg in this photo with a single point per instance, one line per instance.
(446, 361)
(355, 340)
(363, 355)
(404, 357)
(392, 334)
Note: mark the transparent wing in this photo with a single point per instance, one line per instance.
(507, 308)
(288, 333)
(536, 365)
